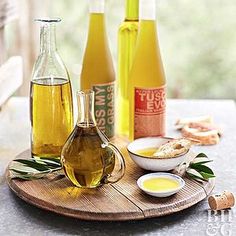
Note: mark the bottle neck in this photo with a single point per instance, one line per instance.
(48, 38)
(132, 10)
(147, 9)
(96, 6)
(86, 108)
(97, 28)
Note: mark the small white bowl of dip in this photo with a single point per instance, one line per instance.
(153, 163)
(160, 184)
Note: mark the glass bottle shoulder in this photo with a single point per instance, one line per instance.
(49, 66)
(129, 26)
(147, 69)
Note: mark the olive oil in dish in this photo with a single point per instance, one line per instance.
(147, 152)
(160, 184)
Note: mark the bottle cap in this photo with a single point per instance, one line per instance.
(147, 9)
(96, 6)
(221, 201)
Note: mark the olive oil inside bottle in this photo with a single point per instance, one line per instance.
(84, 158)
(127, 36)
(98, 71)
(51, 115)
(147, 81)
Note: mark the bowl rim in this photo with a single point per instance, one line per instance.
(159, 174)
(153, 158)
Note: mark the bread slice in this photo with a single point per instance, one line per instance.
(173, 148)
(180, 123)
(206, 134)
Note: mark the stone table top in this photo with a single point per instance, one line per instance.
(20, 218)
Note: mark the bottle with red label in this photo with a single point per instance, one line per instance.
(97, 71)
(147, 99)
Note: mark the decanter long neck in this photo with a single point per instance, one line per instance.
(48, 38)
(86, 108)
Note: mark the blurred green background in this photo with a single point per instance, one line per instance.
(197, 40)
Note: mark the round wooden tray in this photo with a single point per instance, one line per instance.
(120, 201)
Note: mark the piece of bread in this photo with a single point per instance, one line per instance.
(180, 123)
(173, 148)
(206, 134)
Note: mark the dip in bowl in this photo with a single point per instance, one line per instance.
(140, 149)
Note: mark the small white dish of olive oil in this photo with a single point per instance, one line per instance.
(160, 184)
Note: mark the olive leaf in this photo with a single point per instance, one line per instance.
(193, 174)
(201, 160)
(197, 169)
(201, 154)
(34, 168)
(207, 175)
(201, 168)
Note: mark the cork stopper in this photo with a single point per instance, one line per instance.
(147, 9)
(221, 201)
(96, 6)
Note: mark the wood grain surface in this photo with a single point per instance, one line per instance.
(120, 201)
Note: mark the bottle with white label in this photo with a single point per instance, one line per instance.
(97, 71)
(147, 79)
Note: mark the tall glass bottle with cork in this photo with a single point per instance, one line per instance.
(51, 108)
(147, 79)
(97, 70)
(127, 37)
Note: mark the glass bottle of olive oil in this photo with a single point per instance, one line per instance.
(127, 36)
(51, 109)
(147, 79)
(97, 70)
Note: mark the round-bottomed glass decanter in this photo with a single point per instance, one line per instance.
(88, 158)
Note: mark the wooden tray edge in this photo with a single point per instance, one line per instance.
(84, 215)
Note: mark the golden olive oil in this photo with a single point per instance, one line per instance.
(147, 79)
(160, 184)
(97, 71)
(127, 37)
(84, 158)
(147, 152)
(51, 114)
